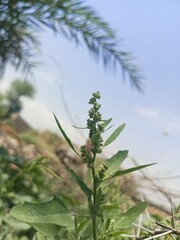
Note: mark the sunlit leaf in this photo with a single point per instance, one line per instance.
(128, 218)
(114, 135)
(114, 162)
(48, 230)
(15, 224)
(51, 212)
(129, 170)
(106, 122)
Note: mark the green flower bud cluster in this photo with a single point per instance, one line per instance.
(95, 125)
(86, 156)
(97, 143)
(101, 172)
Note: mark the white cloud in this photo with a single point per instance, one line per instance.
(164, 121)
(147, 113)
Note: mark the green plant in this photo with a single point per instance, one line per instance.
(99, 219)
(19, 179)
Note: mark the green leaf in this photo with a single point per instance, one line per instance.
(106, 122)
(81, 184)
(129, 170)
(51, 212)
(15, 224)
(54, 174)
(65, 136)
(81, 225)
(39, 236)
(128, 218)
(114, 135)
(110, 207)
(48, 230)
(114, 162)
(116, 233)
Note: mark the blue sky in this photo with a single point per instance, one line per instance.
(150, 30)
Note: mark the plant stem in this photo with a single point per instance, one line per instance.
(94, 223)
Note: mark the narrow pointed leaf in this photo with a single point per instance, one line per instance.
(54, 174)
(116, 233)
(81, 226)
(51, 212)
(114, 162)
(81, 184)
(114, 135)
(65, 136)
(106, 122)
(128, 218)
(110, 207)
(129, 170)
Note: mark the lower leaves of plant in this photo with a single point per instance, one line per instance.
(46, 217)
(104, 220)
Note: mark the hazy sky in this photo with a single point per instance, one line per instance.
(150, 30)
